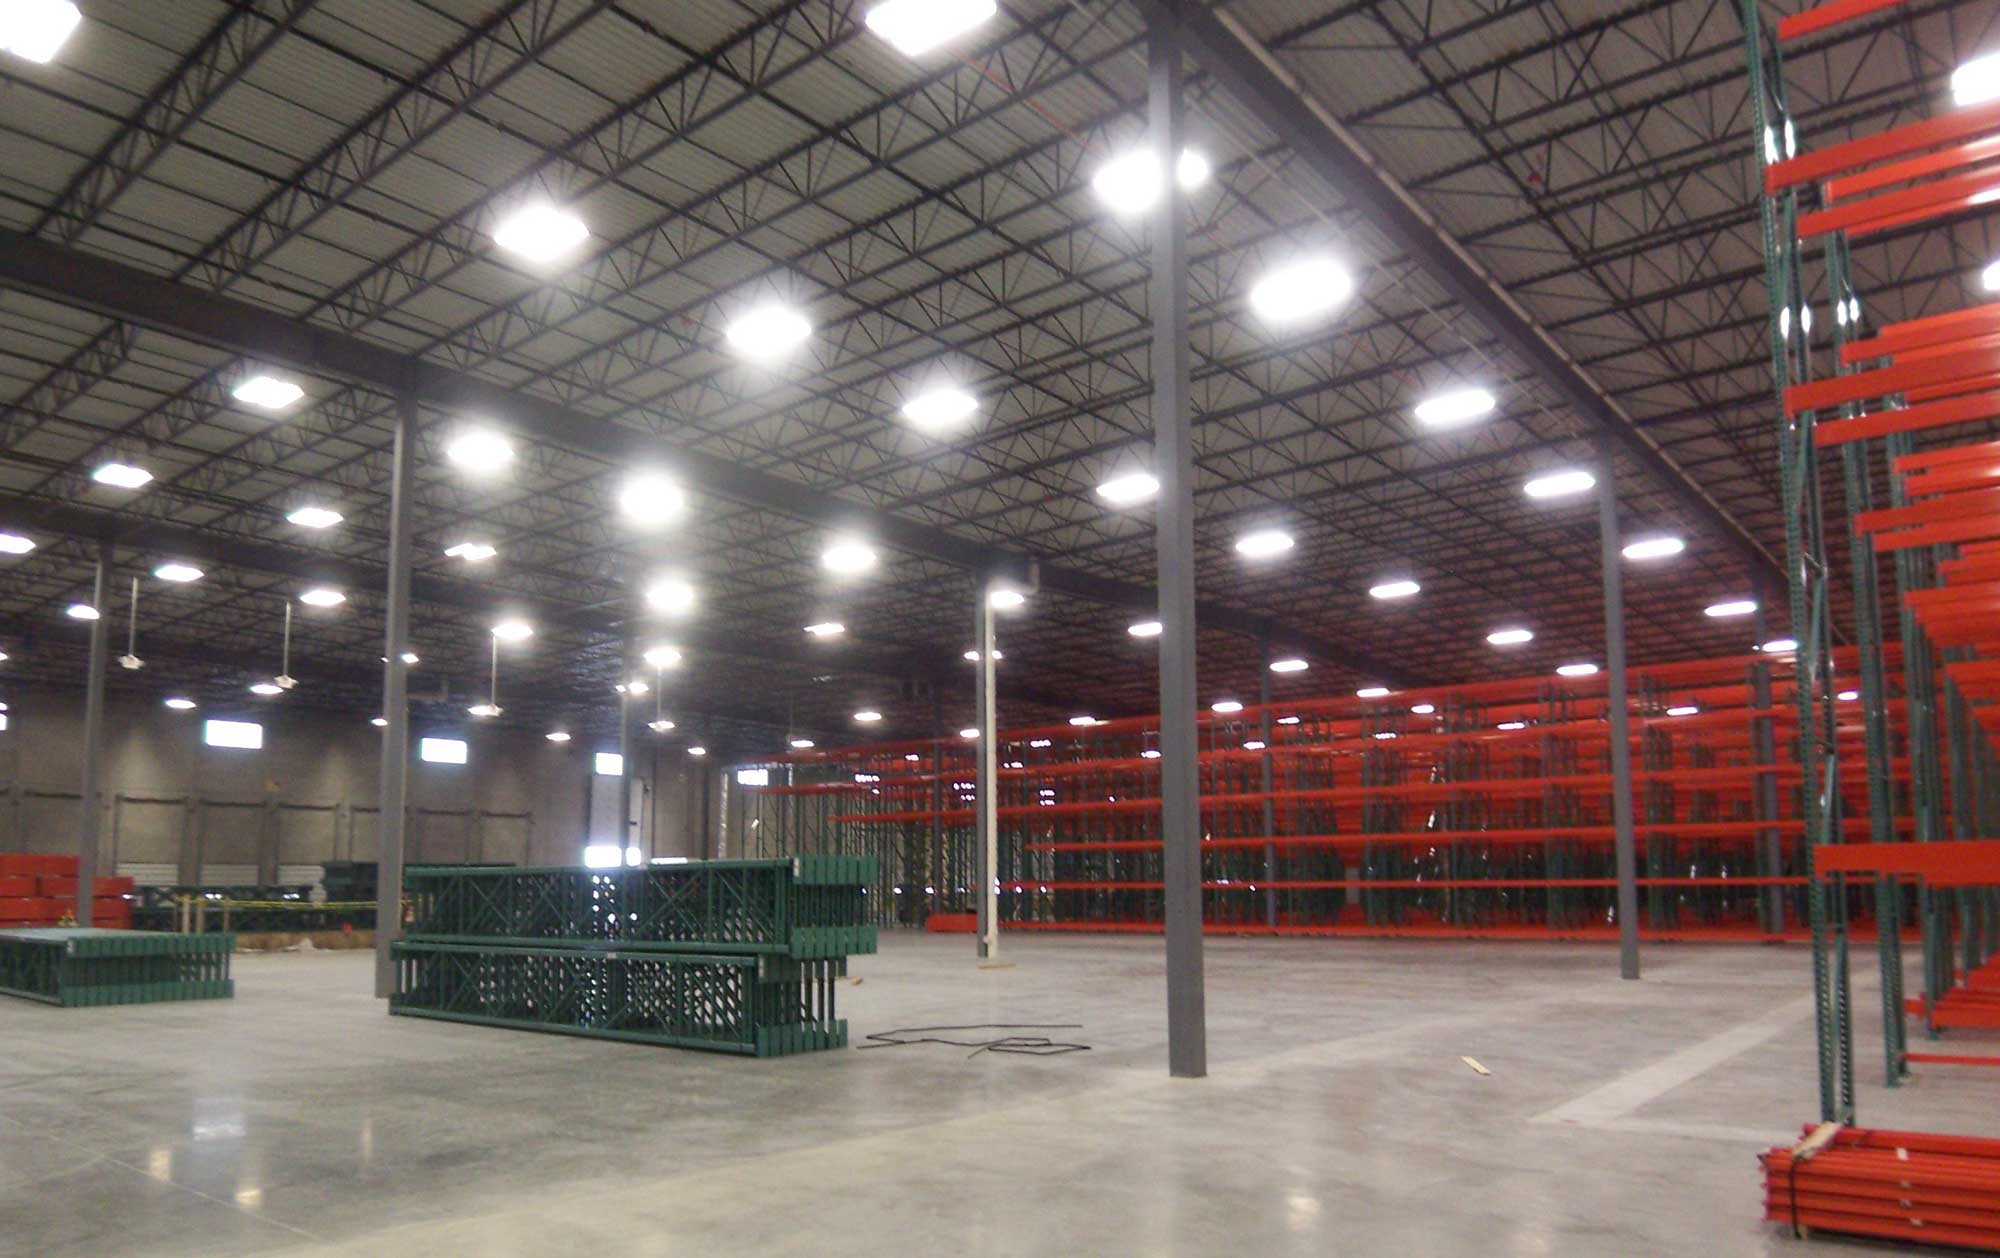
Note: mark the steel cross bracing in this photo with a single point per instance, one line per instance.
(938, 214)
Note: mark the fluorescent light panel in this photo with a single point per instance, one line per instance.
(1146, 629)
(1127, 488)
(1733, 607)
(1510, 636)
(1577, 670)
(1450, 410)
(1561, 484)
(1394, 589)
(1291, 664)
(1372, 692)
(240, 735)
(1654, 548)
(1264, 543)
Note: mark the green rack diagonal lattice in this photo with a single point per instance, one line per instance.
(807, 907)
(763, 1006)
(75, 966)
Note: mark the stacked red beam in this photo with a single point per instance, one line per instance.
(40, 890)
(1888, 1185)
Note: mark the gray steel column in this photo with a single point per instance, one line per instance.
(89, 834)
(625, 675)
(395, 703)
(1264, 785)
(1173, 452)
(986, 775)
(1621, 722)
(937, 871)
(1764, 748)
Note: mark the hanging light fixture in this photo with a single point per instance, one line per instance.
(660, 724)
(284, 680)
(131, 658)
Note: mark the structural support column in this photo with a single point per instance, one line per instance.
(986, 774)
(1264, 785)
(936, 877)
(1764, 750)
(626, 673)
(90, 833)
(395, 703)
(1627, 856)
(1173, 452)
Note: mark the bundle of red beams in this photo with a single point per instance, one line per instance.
(37, 890)
(1889, 1185)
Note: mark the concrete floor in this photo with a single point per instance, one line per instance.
(1619, 1118)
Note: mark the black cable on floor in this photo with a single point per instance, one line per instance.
(1021, 1045)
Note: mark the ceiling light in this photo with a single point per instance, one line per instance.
(1004, 599)
(1511, 725)
(1146, 629)
(320, 596)
(1576, 670)
(1780, 646)
(1255, 744)
(471, 552)
(636, 686)
(650, 500)
(410, 658)
(868, 716)
(663, 656)
(513, 631)
(671, 595)
(660, 725)
(1654, 548)
(1423, 709)
(540, 233)
(15, 544)
(1510, 637)
(315, 517)
(1127, 488)
(1301, 291)
(378, 721)
(1130, 183)
(121, 475)
(848, 557)
(1989, 279)
(557, 736)
(1264, 543)
(268, 393)
(1226, 706)
(1288, 720)
(998, 655)
(178, 573)
(480, 451)
(1394, 589)
(1290, 665)
(1150, 753)
(914, 27)
(826, 629)
(266, 688)
(1686, 709)
(1559, 484)
(1449, 410)
(179, 704)
(969, 732)
(767, 332)
(80, 611)
(1372, 692)
(1977, 81)
(483, 709)
(1848, 696)
(36, 30)
(697, 750)
(1734, 607)
(1083, 720)
(940, 408)
(802, 744)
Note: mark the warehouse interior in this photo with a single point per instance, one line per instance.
(1092, 626)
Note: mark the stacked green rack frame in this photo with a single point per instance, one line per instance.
(74, 966)
(733, 956)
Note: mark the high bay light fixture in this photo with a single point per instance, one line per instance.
(121, 475)
(1146, 629)
(1130, 184)
(1394, 589)
(1301, 291)
(1126, 488)
(768, 331)
(540, 232)
(477, 450)
(1510, 636)
(848, 557)
(1563, 484)
(35, 30)
(1264, 543)
(315, 517)
(915, 27)
(650, 500)
(1654, 548)
(1455, 409)
(671, 596)
(941, 408)
(267, 393)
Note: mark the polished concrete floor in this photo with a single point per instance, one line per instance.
(1337, 1119)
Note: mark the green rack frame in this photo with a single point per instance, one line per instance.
(750, 1004)
(806, 907)
(75, 967)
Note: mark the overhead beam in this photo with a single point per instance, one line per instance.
(1254, 76)
(126, 293)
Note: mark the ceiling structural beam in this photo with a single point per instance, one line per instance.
(137, 297)
(1255, 77)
